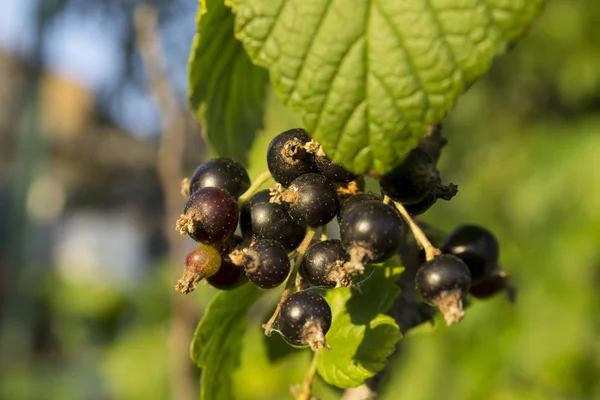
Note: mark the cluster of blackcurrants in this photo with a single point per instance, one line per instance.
(311, 191)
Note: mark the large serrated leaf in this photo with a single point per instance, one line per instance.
(369, 76)
(217, 341)
(227, 92)
(361, 336)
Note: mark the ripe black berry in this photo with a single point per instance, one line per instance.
(224, 173)
(267, 264)
(210, 216)
(333, 171)
(477, 247)
(202, 262)
(443, 282)
(323, 263)
(492, 286)
(422, 206)
(311, 200)
(349, 204)
(304, 320)
(287, 158)
(371, 232)
(229, 276)
(411, 181)
(261, 219)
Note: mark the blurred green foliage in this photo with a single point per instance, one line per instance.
(523, 148)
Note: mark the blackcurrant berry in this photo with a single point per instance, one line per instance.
(422, 206)
(304, 320)
(210, 216)
(492, 286)
(477, 247)
(411, 181)
(287, 158)
(229, 276)
(261, 219)
(443, 282)
(311, 200)
(333, 171)
(202, 262)
(371, 232)
(224, 173)
(267, 264)
(349, 204)
(323, 263)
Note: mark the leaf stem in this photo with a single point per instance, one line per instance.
(430, 250)
(291, 282)
(258, 182)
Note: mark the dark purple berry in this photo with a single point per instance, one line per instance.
(333, 171)
(422, 206)
(229, 276)
(267, 264)
(210, 216)
(443, 282)
(477, 247)
(351, 202)
(261, 219)
(202, 262)
(411, 181)
(304, 320)
(371, 232)
(311, 200)
(323, 263)
(223, 173)
(287, 158)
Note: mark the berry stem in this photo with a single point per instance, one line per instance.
(258, 182)
(305, 391)
(430, 250)
(324, 232)
(291, 282)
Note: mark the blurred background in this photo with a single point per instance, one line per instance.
(91, 154)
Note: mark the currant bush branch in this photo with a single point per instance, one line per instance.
(291, 282)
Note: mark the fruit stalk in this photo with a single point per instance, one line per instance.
(258, 182)
(291, 282)
(430, 250)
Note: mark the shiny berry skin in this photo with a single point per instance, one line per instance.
(411, 181)
(202, 262)
(373, 226)
(229, 276)
(352, 201)
(222, 172)
(477, 247)
(267, 264)
(445, 273)
(210, 215)
(320, 259)
(260, 219)
(287, 159)
(312, 200)
(333, 171)
(304, 319)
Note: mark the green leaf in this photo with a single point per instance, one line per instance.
(226, 91)
(361, 336)
(217, 341)
(369, 76)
